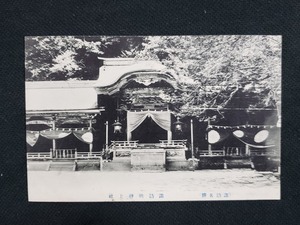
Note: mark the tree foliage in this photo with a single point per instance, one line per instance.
(213, 69)
(72, 57)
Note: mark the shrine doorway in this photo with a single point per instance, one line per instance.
(149, 126)
(149, 132)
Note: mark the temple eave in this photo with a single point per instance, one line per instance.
(87, 111)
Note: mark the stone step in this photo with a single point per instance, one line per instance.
(211, 163)
(38, 166)
(88, 165)
(266, 163)
(148, 169)
(238, 163)
(118, 164)
(177, 165)
(62, 166)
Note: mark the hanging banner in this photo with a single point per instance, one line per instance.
(55, 134)
(216, 136)
(261, 136)
(32, 137)
(161, 118)
(241, 126)
(85, 136)
(258, 137)
(239, 133)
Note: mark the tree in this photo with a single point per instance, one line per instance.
(213, 69)
(72, 57)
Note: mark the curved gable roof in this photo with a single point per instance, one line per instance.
(114, 70)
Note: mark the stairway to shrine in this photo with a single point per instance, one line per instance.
(148, 157)
(66, 165)
(118, 164)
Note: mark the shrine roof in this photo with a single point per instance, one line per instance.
(115, 69)
(60, 95)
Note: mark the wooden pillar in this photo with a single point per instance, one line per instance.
(209, 145)
(192, 140)
(129, 136)
(247, 149)
(278, 105)
(192, 144)
(53, 141)
(169, 136)
(106, 136)
(91, 147)
(170, 127)
(91, 126)
(209, 149)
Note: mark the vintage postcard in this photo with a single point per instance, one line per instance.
(153, 118)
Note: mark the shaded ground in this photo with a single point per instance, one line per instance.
(235, 184)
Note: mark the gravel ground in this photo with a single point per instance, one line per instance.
(201, 185)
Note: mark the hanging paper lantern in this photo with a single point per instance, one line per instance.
(178, 125)
(239, 133)
(117, 127)
(261, 136)
(88, 137)
(213, 136)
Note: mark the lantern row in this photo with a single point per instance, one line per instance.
(60, 129)
(241, 126)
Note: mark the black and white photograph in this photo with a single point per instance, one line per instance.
(153, 118)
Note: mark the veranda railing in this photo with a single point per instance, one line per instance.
(256, 152)
(173, 143)
(64, 154)
(211, 153)
(39, 155)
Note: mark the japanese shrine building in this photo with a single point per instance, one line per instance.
(74, 114)
(124, 112)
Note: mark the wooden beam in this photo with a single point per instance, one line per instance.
(86, 111)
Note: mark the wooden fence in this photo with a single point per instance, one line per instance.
(64, 154)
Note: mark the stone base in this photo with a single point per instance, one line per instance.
(238, 163)
(211, 162)
(177, 165)
(38, 165)
(266, 163)
(117, 164)
(148, 169)
(63, 166)
(176, 154)
(148, 160)
(88, 165)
